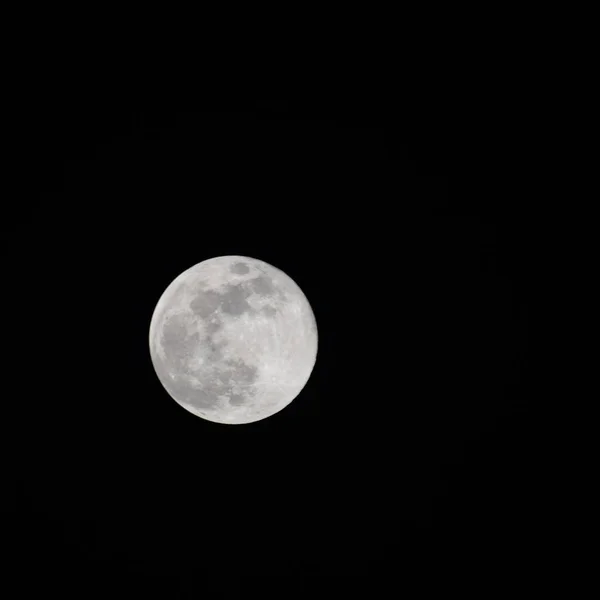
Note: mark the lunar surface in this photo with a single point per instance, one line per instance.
(233, 339)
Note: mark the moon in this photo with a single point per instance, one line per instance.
(233, 340)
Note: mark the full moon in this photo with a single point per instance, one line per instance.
(233, 340)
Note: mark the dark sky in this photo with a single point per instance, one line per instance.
(411, 450)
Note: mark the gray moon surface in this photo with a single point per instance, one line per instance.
(233, 340)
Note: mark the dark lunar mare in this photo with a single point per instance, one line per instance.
(233, 300)
(263, 286)
(205, 303)
(177, 343)
(179, 346)
(240, 268)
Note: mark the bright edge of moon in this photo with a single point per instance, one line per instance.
(233, 340)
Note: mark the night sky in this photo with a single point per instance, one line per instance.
(411, 452)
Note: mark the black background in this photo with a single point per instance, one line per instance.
(413, 448)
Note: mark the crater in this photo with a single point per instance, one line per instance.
(237, 374)
(268, 311)
(213, 326)
(214, 353)
(179, 387)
